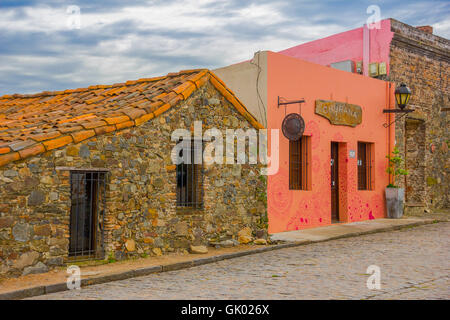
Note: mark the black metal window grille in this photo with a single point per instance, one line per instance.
(364, 166)
(88, 207)
(299, 164)
(190, 176)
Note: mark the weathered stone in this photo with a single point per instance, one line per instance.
(245, 232)
(260, 233)
(219, 183)
(10, 173)
(72, 151)
(244, 239)
(181, 229)
(198, 249)
(4, 269)
(237, 169)
(57, 251)
(31, 182)
(53, 196)
(43, 230)
(25, 260)
(21, 232)
(213, 101)
(84, 151)
(130, 245)
(158, 183)
(4, 235)
(6, 180)
(119, 255)
(260, 241)
(24, 172)
(226, 243)
(6, 222)
(56, 261)
(149, 240)
(60, 242)
(181, 243)
(39, 246)
(157, 251)
(47, 180)
(36, 198)
(38, 268)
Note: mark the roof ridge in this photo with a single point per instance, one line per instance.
(25, 144)
(95, 87)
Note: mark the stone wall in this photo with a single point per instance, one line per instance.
(142, 218)
(421, 60)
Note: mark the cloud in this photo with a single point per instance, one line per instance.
(122, 40)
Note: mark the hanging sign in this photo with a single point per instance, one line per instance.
(339, 113)
(293, 126)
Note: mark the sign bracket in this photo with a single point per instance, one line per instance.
(396, 111)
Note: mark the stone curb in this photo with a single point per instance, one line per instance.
(58, 287)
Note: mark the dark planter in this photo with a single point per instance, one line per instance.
(395, 198)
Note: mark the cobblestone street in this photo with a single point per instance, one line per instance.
(414, 264)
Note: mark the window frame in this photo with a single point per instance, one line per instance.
(365, 170)
(299, 164)
(189, 180)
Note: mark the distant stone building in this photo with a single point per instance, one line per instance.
(398, 53)
(422, 61)
(87, 173)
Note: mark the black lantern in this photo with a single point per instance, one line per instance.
(402, 95)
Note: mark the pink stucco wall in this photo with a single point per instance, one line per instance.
(346, 46)
(297, 209)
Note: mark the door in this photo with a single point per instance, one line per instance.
(86, 215)
(334, 182)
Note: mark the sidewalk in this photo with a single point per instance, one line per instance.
(55, 281)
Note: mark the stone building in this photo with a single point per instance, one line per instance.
(422, 61)
(398, 53)
(87, 173)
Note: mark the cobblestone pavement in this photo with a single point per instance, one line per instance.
(414, 264)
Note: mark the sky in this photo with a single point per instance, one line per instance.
(62, 44)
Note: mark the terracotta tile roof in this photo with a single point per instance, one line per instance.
(34, 123)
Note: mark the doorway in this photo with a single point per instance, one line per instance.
(86, 214)
(334, 182)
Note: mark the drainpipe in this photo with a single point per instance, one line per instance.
(388, 120)
(366, 49)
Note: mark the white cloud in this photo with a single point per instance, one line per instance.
(128, 42)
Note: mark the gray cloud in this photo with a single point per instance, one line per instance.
(123, 40)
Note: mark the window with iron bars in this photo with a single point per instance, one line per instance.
(88, 204)
(190, 175)
(365, 159)
(299, 171)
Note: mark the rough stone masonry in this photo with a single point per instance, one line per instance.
(422, 61)
(141, 214)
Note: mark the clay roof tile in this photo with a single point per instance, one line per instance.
(33, 123)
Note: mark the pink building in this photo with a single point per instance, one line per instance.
(359, 45)
(336, 171)
(401, 53)
(395, 52)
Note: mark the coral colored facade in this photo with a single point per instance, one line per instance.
(420, 59)
(298, 209)
(293, 79)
